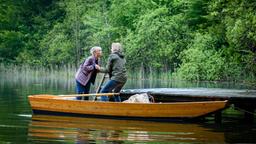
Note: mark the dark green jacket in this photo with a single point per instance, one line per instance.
(116, 67)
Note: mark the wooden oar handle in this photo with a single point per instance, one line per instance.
(85, 95)
(101, 82)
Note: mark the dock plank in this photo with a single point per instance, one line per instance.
(197, 92)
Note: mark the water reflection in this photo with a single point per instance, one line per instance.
(47, 128)
(16, 125)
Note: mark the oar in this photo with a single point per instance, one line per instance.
(99, 88)
(101, 82)
(87, 95)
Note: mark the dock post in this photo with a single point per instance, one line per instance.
(218, 117)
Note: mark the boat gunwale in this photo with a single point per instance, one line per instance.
(59, 98)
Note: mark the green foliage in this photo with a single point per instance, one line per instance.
(238, 21)
(196, 13)
(11, 43)
(242, 39)
(157, 40)
(195, 39)
(125, 13)
(200, 61)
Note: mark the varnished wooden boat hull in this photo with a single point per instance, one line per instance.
(51, 103)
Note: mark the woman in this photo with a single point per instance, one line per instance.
(87, 72)
(116, 70)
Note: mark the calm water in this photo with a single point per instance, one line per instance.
(19, 125)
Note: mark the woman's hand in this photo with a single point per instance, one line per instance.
(97, 67)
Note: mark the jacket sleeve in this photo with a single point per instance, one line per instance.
(88, 65)
(107, 69)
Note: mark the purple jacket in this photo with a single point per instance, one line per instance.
(84, 73)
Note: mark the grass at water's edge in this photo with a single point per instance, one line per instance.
(68, 72)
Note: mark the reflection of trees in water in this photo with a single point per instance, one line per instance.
(138, 136)
(240, 133)
(83, 136)
(91, 130)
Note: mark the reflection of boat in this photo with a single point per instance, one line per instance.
(58, 104)
(69, 129)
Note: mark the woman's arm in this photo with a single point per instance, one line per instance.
(88, 65)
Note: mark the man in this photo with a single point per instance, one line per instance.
(116, 70)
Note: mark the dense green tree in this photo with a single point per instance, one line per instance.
(23, 24)
(231, 24)
(11, 38)
(201, 61)
(157, 40)
(194, 39)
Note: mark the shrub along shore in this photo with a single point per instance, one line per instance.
(196, 40)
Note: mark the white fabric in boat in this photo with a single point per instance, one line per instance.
(138, 98)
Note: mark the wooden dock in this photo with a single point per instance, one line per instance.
(241, 99)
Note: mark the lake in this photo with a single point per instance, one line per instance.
(19, 125)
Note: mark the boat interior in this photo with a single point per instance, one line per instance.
(170, 98)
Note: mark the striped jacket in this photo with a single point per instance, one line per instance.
(85, 71)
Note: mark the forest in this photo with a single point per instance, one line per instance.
(199, 40)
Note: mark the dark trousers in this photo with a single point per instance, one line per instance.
(109, 87)
(80, 89)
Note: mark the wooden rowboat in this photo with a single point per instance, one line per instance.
(53, 104)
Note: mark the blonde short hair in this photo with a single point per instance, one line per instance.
(116, 47)
(93, 49)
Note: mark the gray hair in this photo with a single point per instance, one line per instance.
(117, 47)
(93, 49)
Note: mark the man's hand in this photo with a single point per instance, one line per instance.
(97, 67)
